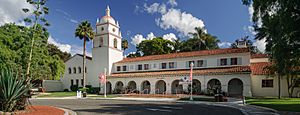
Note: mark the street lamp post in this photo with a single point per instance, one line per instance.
(191, 79)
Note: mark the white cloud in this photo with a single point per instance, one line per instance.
(74, 21)
(260, 44)
(67, 16)
(62, 47)
(171, 36)
(138, 38)
(224, 44)
(79, 50)
(11, 11)
(150, 36)
(73, 49)
(156, 7)
(172, 3)
(180, 21)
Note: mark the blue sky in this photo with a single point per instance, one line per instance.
(228, 20)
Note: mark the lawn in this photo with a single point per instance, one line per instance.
(284, 104)
(57, 94)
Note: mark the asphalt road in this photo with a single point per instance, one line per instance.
(116, 107)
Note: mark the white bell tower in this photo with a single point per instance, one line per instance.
(106, 46)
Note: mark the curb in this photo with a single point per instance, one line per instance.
(67, 111)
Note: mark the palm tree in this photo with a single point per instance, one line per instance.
(124, 44)
(84, 31)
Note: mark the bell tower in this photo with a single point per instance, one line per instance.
(106, 46)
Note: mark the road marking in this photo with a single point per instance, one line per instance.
(163, 110)
(168, 107)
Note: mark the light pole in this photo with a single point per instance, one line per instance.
(191, 79)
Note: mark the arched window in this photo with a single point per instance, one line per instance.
(70, 70)
(74, 70)
(79, 69)
(115, 43)
(101, 42)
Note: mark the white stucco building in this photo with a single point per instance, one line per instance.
(235, 71)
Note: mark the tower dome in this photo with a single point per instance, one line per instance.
(107, 18)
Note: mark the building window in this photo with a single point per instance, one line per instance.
(146, 66)
(124, 68)
(85, 70)
(79, 69)
(118, 68)
(81, 82)
(233, 61)
(74, 70)
(70, 70)
(163, 65)
(171, 65)
(223, 61)
(189, 64)
(140, 67)
(72, 82)
(77, 82)
(200, 63)
(267, 83)
(115, 43)
(101, 42)
(113, 29)
(102, 29)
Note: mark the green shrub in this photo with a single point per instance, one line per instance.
(13, 91)
(74, 87)
(94, 90)
(66, 90)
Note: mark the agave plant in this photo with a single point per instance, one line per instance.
(12, 90)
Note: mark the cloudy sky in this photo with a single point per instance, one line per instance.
(140, 19)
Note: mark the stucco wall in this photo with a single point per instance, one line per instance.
(52, 85)
(258, 90)
(181, 63)
(168, 79)
(75, 61)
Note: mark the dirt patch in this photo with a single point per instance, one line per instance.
(41, 110)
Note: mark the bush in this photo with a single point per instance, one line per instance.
(66, 90)
(94, 90)
(74, 87)
(14, 91)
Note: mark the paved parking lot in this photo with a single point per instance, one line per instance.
(113, 107)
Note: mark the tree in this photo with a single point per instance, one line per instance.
(53, 50)
(277, 21)
(200, 41)
(249, 44)
(39, 12)
(124, 44)
(177, 45)
(155, 46)
(15, 47)
(85, 32)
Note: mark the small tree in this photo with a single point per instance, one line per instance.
(38, 17)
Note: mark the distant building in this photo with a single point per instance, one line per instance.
(235, 70)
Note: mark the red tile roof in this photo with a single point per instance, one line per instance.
(186, 54)
(205, 71)
(259, 68)
(259, 56)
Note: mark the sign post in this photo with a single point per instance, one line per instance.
(191, 79)
(104, 82)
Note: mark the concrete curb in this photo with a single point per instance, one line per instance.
(67, 111)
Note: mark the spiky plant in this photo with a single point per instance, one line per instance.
(12, 90)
